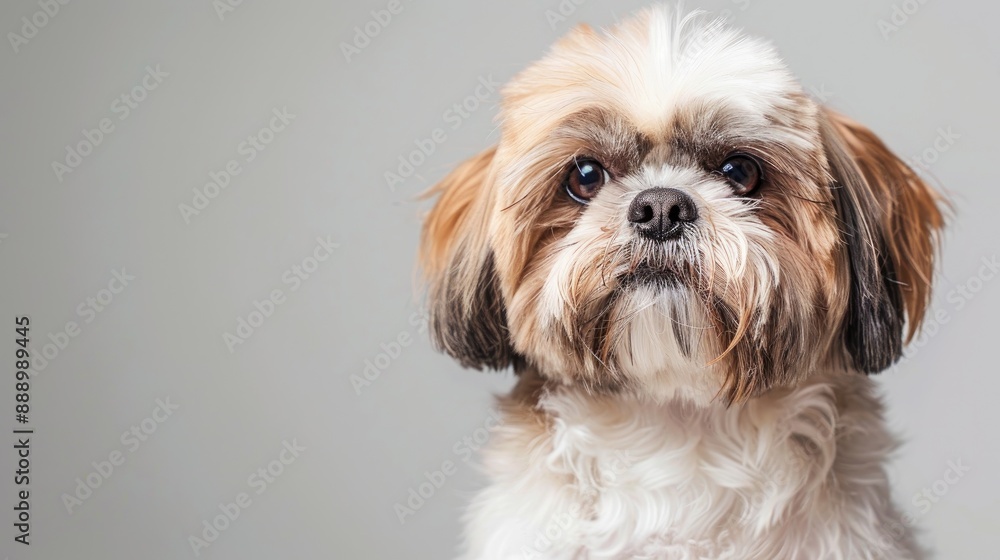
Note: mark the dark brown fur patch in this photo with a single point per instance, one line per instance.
(472, 328)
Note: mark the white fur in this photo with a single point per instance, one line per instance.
(793, 475)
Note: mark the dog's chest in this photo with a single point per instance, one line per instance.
(609, 479)
(650, 481)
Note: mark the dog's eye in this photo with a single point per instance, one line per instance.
(743, 173)
(584, 180)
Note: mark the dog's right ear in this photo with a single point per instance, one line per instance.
(468, 318)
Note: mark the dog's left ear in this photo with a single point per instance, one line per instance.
(889, 220)
(468, 319)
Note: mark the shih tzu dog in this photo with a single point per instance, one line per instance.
(692, 267)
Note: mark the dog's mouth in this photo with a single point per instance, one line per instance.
(646, 274)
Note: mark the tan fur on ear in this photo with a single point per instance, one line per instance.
(911, 214)
(450, 218)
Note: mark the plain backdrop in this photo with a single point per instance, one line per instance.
(199, 79)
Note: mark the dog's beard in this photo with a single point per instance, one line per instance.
(619, 311)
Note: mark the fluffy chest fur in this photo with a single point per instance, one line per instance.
(797, 474)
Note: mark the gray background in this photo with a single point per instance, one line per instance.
(324, 175)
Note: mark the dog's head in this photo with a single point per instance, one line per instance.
(668, 212)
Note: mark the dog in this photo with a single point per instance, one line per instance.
(692, 267)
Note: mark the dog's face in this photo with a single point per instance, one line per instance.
(667, 212)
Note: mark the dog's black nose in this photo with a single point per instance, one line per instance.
(660, 213)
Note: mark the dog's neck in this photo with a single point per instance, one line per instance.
(781, 476)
